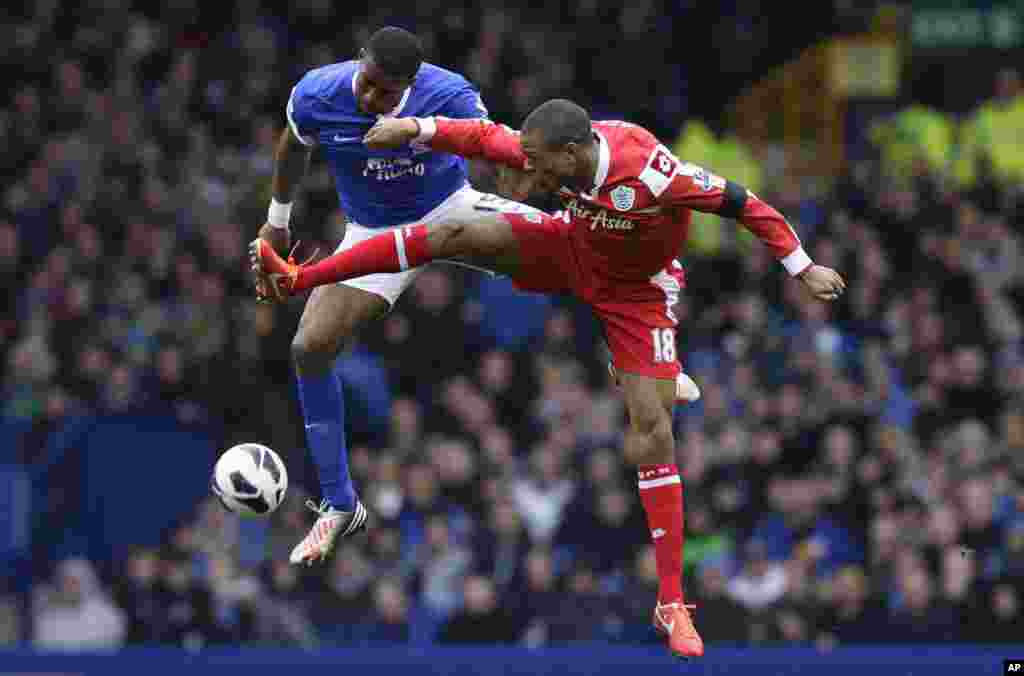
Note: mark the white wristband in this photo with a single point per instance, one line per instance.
(279, 213)
(428, 127)
(797, 261)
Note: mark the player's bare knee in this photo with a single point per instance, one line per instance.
(661, 444)
(312, 354)
(656, 442)
(302, 352)
(449, 238)
(662, 438)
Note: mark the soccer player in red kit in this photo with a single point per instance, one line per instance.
(627, 203)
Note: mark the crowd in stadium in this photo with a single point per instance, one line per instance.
(852, 473)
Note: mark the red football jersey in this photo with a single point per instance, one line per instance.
(635, 219)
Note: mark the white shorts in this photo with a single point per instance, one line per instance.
(391, 285)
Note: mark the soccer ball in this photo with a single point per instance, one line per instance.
(249, 480)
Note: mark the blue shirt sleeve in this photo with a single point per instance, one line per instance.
(466, 104)
(300, 114)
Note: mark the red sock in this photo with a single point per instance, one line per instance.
(661, 493)
(392, 251)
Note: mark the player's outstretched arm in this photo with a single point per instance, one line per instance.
(471, 138)
(685, 185)
(773, 230)
(389, 133)
(462, 137)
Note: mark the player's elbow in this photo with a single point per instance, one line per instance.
(289, 146)
(734, 201)
(286, 142)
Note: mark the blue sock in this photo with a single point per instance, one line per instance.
(323, 408)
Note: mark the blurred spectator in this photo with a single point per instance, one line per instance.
(798, 528)
(10, 269)
(386, 549)
(543, 493)
(722, 619)
(535, 598)
(981, 532)
(584, 613)
(442, 564)
(1001, 624)
(640, 587)
(388, 619)
(608, 529)
(76, 615)
(919, 617)
(704, 540)
(850, 615)
(457, 473)
(139, 595)
(281, 613)
(347, 591)
(481, 619)
(406, 425)
(761, 583)
(424, 497)
(188, 606)
(501, 546)
(10, 622)
(795, 618)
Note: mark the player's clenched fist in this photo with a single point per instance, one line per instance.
(391, 132)
(279, 238)
(823, 283)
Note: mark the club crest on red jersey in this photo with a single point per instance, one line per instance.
(623, 197)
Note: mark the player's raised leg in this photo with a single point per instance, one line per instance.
(331, 317)
(483, 234)
(649, 444)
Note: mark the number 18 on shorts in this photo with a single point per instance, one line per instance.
(664, 345)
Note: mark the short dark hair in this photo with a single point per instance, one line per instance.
(560, 122)
(396, 51)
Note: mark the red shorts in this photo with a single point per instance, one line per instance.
(641, 331)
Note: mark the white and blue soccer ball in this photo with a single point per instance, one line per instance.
(250, 480)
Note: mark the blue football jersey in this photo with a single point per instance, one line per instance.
(389, 187)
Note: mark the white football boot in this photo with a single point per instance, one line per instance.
(330, 525)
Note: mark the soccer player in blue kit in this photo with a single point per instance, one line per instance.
(333, 108)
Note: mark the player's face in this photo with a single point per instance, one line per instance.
(552, 167)
(376, 92)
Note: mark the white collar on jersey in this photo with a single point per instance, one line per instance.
(604, 160)
(397, 109)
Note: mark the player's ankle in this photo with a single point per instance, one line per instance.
(669, 598)
(345, 501)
